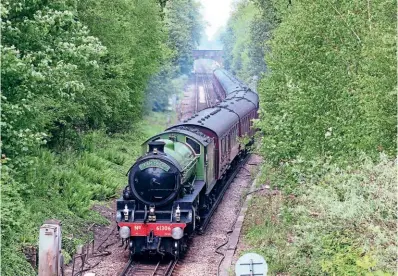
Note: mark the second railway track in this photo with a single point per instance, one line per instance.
(204, 94)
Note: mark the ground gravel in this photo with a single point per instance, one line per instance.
(201, 258)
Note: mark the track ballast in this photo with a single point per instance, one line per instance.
(148, 268)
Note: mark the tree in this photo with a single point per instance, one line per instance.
(244, 41)
(184, 28)
(50, 65)
(332, 73)
(134, 34)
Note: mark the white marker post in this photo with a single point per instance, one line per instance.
(50, 256)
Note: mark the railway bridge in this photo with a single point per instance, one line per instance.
(216, 55)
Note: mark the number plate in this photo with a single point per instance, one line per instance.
(159, 229)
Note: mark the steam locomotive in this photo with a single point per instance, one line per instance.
(175, 185)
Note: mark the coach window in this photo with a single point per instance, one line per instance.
(195, 146)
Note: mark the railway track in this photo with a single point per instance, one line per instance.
(200, 97)
(203, 89)
(146, 268)
(205, 81)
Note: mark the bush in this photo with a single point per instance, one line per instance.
(330, 90)
(337, 221)
(62, 186)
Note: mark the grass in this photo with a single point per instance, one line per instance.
(65, 186)
(334, 222)
(160, 121)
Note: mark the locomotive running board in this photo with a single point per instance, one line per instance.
(220, 195)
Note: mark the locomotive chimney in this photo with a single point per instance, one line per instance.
(156, 146)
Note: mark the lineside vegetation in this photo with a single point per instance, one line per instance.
(77, 78)
(328, 132)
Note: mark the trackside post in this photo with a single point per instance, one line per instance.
(50, 256)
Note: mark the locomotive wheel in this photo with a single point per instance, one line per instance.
(131, 248)
(177, 250)
(180, 248)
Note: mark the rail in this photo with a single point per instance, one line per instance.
(146, 268)
(206, 89)
(203, 80)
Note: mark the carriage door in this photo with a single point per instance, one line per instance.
(211, 165)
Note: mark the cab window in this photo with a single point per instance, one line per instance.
(195, 146)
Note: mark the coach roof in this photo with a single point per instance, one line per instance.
(229, 83)
(217, 119)
(247, 94)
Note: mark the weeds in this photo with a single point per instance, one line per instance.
(64, 186)
(337, 221)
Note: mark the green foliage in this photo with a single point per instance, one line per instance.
(184, 27)
(322, 95)
(328, 99)
(136, 51)
(183, 23)
(338, 222)
(237, 37)
(342, 258)
(58, 80)
(162, 87)
(71, 72)
(50, 64)
(330, 88)
(62, 186)
(244, 40)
